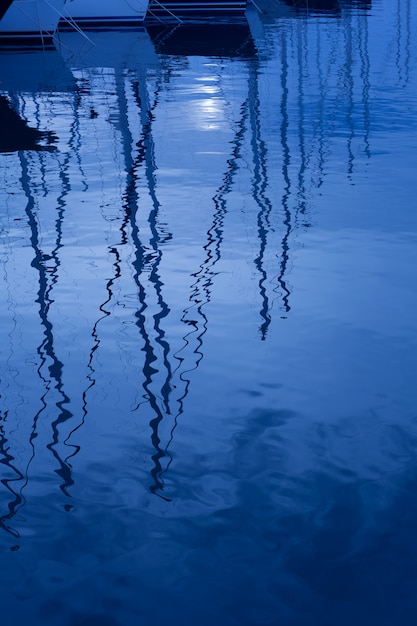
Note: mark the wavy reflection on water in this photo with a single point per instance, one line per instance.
(194, 307)
(130, 92)
(144, 230)
(8, 463)
(49, 368)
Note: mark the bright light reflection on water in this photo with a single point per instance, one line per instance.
(209, 348)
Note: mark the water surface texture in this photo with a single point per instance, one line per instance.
(208, 405)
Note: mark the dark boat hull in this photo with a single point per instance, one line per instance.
(194, 9)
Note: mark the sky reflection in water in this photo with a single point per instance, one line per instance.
(208, 355)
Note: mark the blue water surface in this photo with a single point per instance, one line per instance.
(208, 405)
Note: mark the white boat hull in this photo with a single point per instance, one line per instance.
(105, 13)
(30, 21)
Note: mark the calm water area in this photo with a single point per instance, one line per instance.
(208, 274)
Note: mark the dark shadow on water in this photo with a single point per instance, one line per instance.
(4, 7)
(328, 7)
(210, 39)
(16, 134)
(310, 9)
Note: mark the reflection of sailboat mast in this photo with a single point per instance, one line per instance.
(149, 260)
(348, 82)
(260, 181)
(356, 41)
(301, 186)
(364, 74)
(46, 349)
(403, 41)
(45, 265)
(287, 182)
(96, 342)
(158, 236)
(322, 112)
(132, 101)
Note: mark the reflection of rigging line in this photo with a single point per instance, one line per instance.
(201, 288)
(10, 335)
(170, 29)
(260, 183)
(75, 134)
(6, 459)
(324, 120)
(96, 343)
(46, 350)
(323, 77)
(281, 282)
(13, 506)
